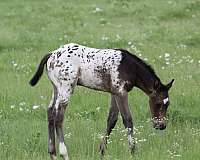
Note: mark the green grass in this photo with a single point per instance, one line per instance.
(152, 28)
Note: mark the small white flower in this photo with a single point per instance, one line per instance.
(129, 43)
(15, 64)
(167, 55)
(35, 107)
(65, 36)
(169, 2)
(142, 140)
(104, 38)
(21, 109)
(199, 61)
(98, 108)
(193, 16)
(118, 36)
(22, 103)
(97, 9)
(12, 106)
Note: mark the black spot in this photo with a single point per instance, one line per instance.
(59, 54)
(70, 51)
(68, 55)
(66, 61)
(74, 48)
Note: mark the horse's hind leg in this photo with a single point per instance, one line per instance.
(51, 128)
(59, 130)
(111, 121)
(64, 93)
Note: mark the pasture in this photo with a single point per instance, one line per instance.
(166, 34)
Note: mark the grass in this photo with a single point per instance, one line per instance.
(148, 28)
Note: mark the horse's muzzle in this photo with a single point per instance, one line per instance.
(159, 124)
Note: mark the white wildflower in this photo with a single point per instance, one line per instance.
(12, 106)
(36, 107)
(98, 109)
(167, 55)
(97, 9)
(129, 43)
(118, 37)
(142, 140)
(22, 103)
(15, 64)
(104, 38)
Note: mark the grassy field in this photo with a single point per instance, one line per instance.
(164, 33)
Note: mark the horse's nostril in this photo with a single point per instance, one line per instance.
(162, 127)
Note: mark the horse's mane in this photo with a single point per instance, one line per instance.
(140, 62)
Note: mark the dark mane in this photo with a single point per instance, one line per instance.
(140, 61)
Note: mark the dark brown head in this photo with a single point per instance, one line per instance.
(159, 102)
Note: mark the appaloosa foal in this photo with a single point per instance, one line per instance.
(111, 70)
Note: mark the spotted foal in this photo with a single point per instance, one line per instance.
(111, 70)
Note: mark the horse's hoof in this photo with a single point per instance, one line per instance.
(53, 156)
(133, 149)
(102, 148)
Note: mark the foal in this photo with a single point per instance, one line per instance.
(111, 70)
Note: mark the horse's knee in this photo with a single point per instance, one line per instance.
(51, 115)
(128, 122)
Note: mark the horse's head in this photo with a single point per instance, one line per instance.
(159, 102)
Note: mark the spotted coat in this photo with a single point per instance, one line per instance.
(73, 64)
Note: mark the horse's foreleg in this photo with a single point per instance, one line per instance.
(111, 121)
(122, 103)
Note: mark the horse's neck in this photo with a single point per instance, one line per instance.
(145, 81)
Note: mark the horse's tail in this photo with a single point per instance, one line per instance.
(39, 71)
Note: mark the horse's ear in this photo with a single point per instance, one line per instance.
(156, 85)
(169, 85)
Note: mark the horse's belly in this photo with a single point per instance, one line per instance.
(95, 79)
